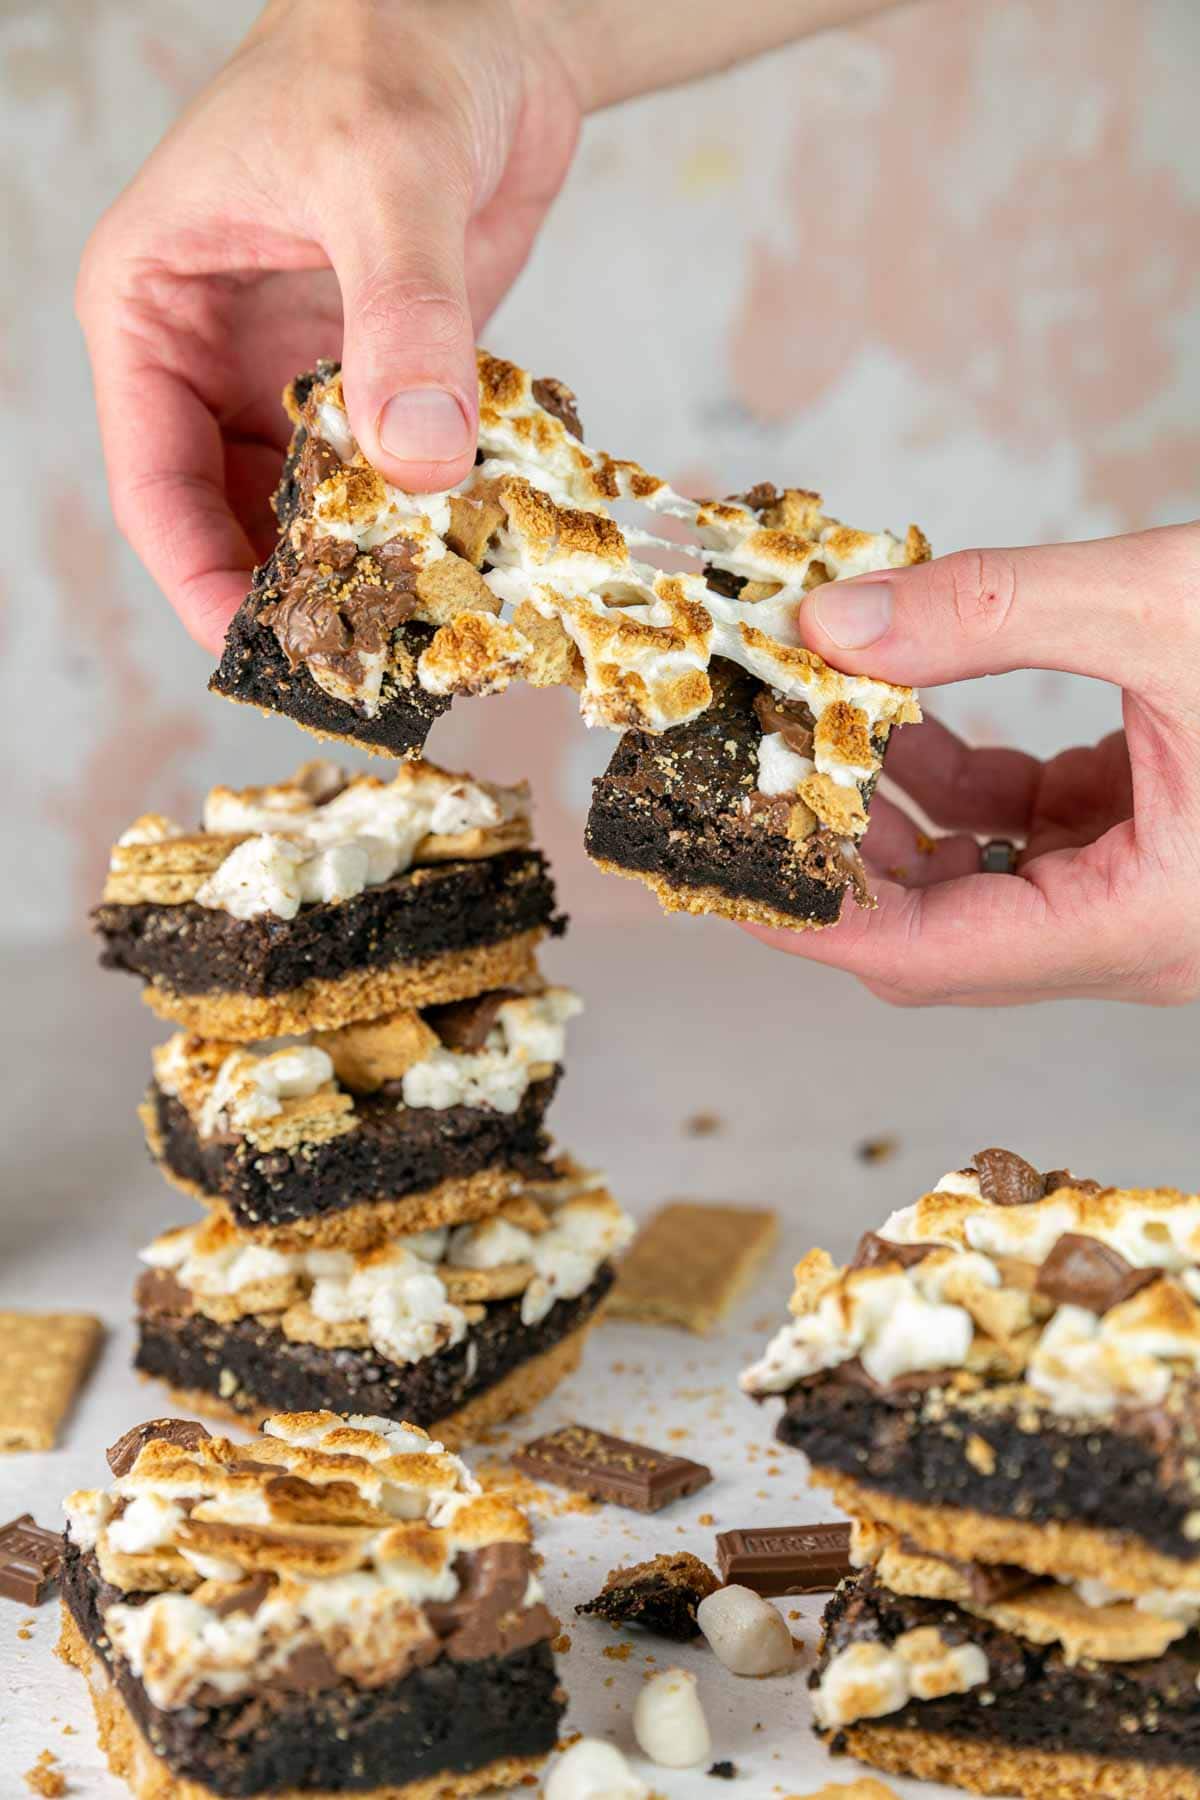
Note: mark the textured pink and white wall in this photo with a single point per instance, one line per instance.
(945, 267)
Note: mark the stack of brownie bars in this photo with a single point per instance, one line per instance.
(355, 1094)
(1001, 1389)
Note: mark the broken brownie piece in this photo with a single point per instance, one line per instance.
(422, 1118)
(327, 899)
(661, 1595)
(1000, 1389)
(452, 1329)
(378, 606)
(332, 1608)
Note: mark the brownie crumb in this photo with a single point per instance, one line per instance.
(877, 1150)
(45, 1777)
(723, 1771)
(703, 1124)
(660, 1595)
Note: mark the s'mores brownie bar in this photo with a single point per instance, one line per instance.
(1002, 1389)
(453, 1329)
(332, 1608)
(327, 899)
(339, 1140)
(743, 782)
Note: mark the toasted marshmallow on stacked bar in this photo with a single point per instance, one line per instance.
(358, 1100)
(377, 607)
(1002, 1389)
(332, 1607)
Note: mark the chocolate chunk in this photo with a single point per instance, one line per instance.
(558, 398)
(463, 1025)
(488, 1615)
(873, 1250)
(1006, 1179)
(246, 1598)
(611, 1468)
(723, 1771)
(795, 1559)
(988, 1582)
(1081, 1271)
(161, 1291)
(30, 1559)
(792, 719)
(122, 1455)
(1063, 1178)
(660, 1595)
(916, 1381)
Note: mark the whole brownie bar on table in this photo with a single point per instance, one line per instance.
(418, 1119)
(1001, 1389)
(742, 786)
(453, 1329)
(333, 1608)
(327, 899)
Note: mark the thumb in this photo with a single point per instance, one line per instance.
(1125, 610)
(408, 351)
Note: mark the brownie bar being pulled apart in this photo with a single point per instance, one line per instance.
(920, 1687)
(416, 1119)
(378, 606)
(431, 1669)
(326, 899)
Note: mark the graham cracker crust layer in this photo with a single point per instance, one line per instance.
(1004, 1769)
(131, 1759)
(324, 1004)
(519, 1391)
(1049, 1548)
(676, 897)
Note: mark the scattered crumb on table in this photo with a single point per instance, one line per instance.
(45, 1777)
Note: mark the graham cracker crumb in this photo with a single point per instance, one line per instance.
(45, 1777)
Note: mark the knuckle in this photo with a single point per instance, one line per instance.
(981, 588)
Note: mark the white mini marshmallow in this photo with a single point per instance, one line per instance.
(745, 1632)
(594, 1770)
(669, 1722)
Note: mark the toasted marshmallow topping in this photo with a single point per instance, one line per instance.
(537, 512)
(320, 838)
(526, 1042)
(978, 1299)
(323, 1540)
(870, 1680)
(399, 1296)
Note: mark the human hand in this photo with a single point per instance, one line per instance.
(385, 165)
(1103, 902)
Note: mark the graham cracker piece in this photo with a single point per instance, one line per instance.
(44, 1361)
(690, 1261)
(865, 1788)
(684, 897)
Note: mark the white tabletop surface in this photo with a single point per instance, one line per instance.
(799, 1065)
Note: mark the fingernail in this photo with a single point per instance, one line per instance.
(424, 425)
(854, 614)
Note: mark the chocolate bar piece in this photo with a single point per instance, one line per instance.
(611, 1468)
(327, 899)
(360, 1133)
(660, 1595)
(785, 1559)
(385, 1641)
(30, 1559)
(377, 607)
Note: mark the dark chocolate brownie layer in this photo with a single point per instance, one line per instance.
(1115, 1478)
(1145, 1711)
(254, 668)
(671, 805)
(450, 1716)
(193, 1353)
(392, 1152)
(424, 913)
